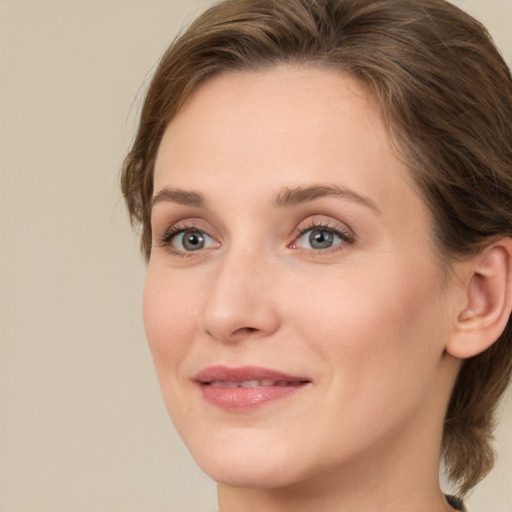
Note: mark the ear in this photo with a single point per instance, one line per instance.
(487, 301)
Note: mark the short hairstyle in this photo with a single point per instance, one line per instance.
(445, 94)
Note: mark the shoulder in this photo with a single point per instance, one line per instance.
(456, 503)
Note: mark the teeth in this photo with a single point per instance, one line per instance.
(264, 383)
(250, 384)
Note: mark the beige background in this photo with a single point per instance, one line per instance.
(82, 426)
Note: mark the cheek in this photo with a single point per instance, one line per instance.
(384, 324)
(169, 319)
(380, 346)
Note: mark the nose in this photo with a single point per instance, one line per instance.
(240, 304)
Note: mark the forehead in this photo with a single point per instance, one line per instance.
(298, 90)
(274, 124)
(299, 109)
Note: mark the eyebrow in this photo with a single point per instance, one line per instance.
(285, 198)
(299, 195)
(175, 195)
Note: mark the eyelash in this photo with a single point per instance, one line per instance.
(177, 229)
(174, 231)
(323, 226)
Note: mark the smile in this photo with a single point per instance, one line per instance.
(245, 388)
(264, 383)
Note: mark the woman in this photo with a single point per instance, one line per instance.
(323, 189)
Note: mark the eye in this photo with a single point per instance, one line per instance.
(186, 238)
(320, 237)
(191, 240)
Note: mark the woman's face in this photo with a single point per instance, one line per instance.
(293, 304)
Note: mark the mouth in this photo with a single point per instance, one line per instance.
(244, 388)
(264, 383)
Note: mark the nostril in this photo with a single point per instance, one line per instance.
(246, 330)
(241, 332)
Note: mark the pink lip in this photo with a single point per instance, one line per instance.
(218, 386)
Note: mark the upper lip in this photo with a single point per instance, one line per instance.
(244, 373)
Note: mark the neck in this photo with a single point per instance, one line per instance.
(257, 501)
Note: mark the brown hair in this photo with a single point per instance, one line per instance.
(446, 94)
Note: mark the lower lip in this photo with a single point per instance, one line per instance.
(243, 399)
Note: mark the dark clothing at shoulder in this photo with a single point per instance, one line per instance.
(456, 503)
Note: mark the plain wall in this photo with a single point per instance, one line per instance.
(82, 424)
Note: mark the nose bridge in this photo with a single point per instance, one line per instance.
(238, 304)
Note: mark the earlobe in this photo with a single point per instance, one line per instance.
(488, 301)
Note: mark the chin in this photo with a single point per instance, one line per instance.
(248, 463)
(250, 475)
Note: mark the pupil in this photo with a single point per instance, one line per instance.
(193, 240)
(320, 239)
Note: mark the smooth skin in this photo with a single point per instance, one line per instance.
(286, 234)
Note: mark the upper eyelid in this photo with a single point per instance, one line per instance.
(171, 234)
(183, 224)
(165, 220)
(320, 225)
(326, 222)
